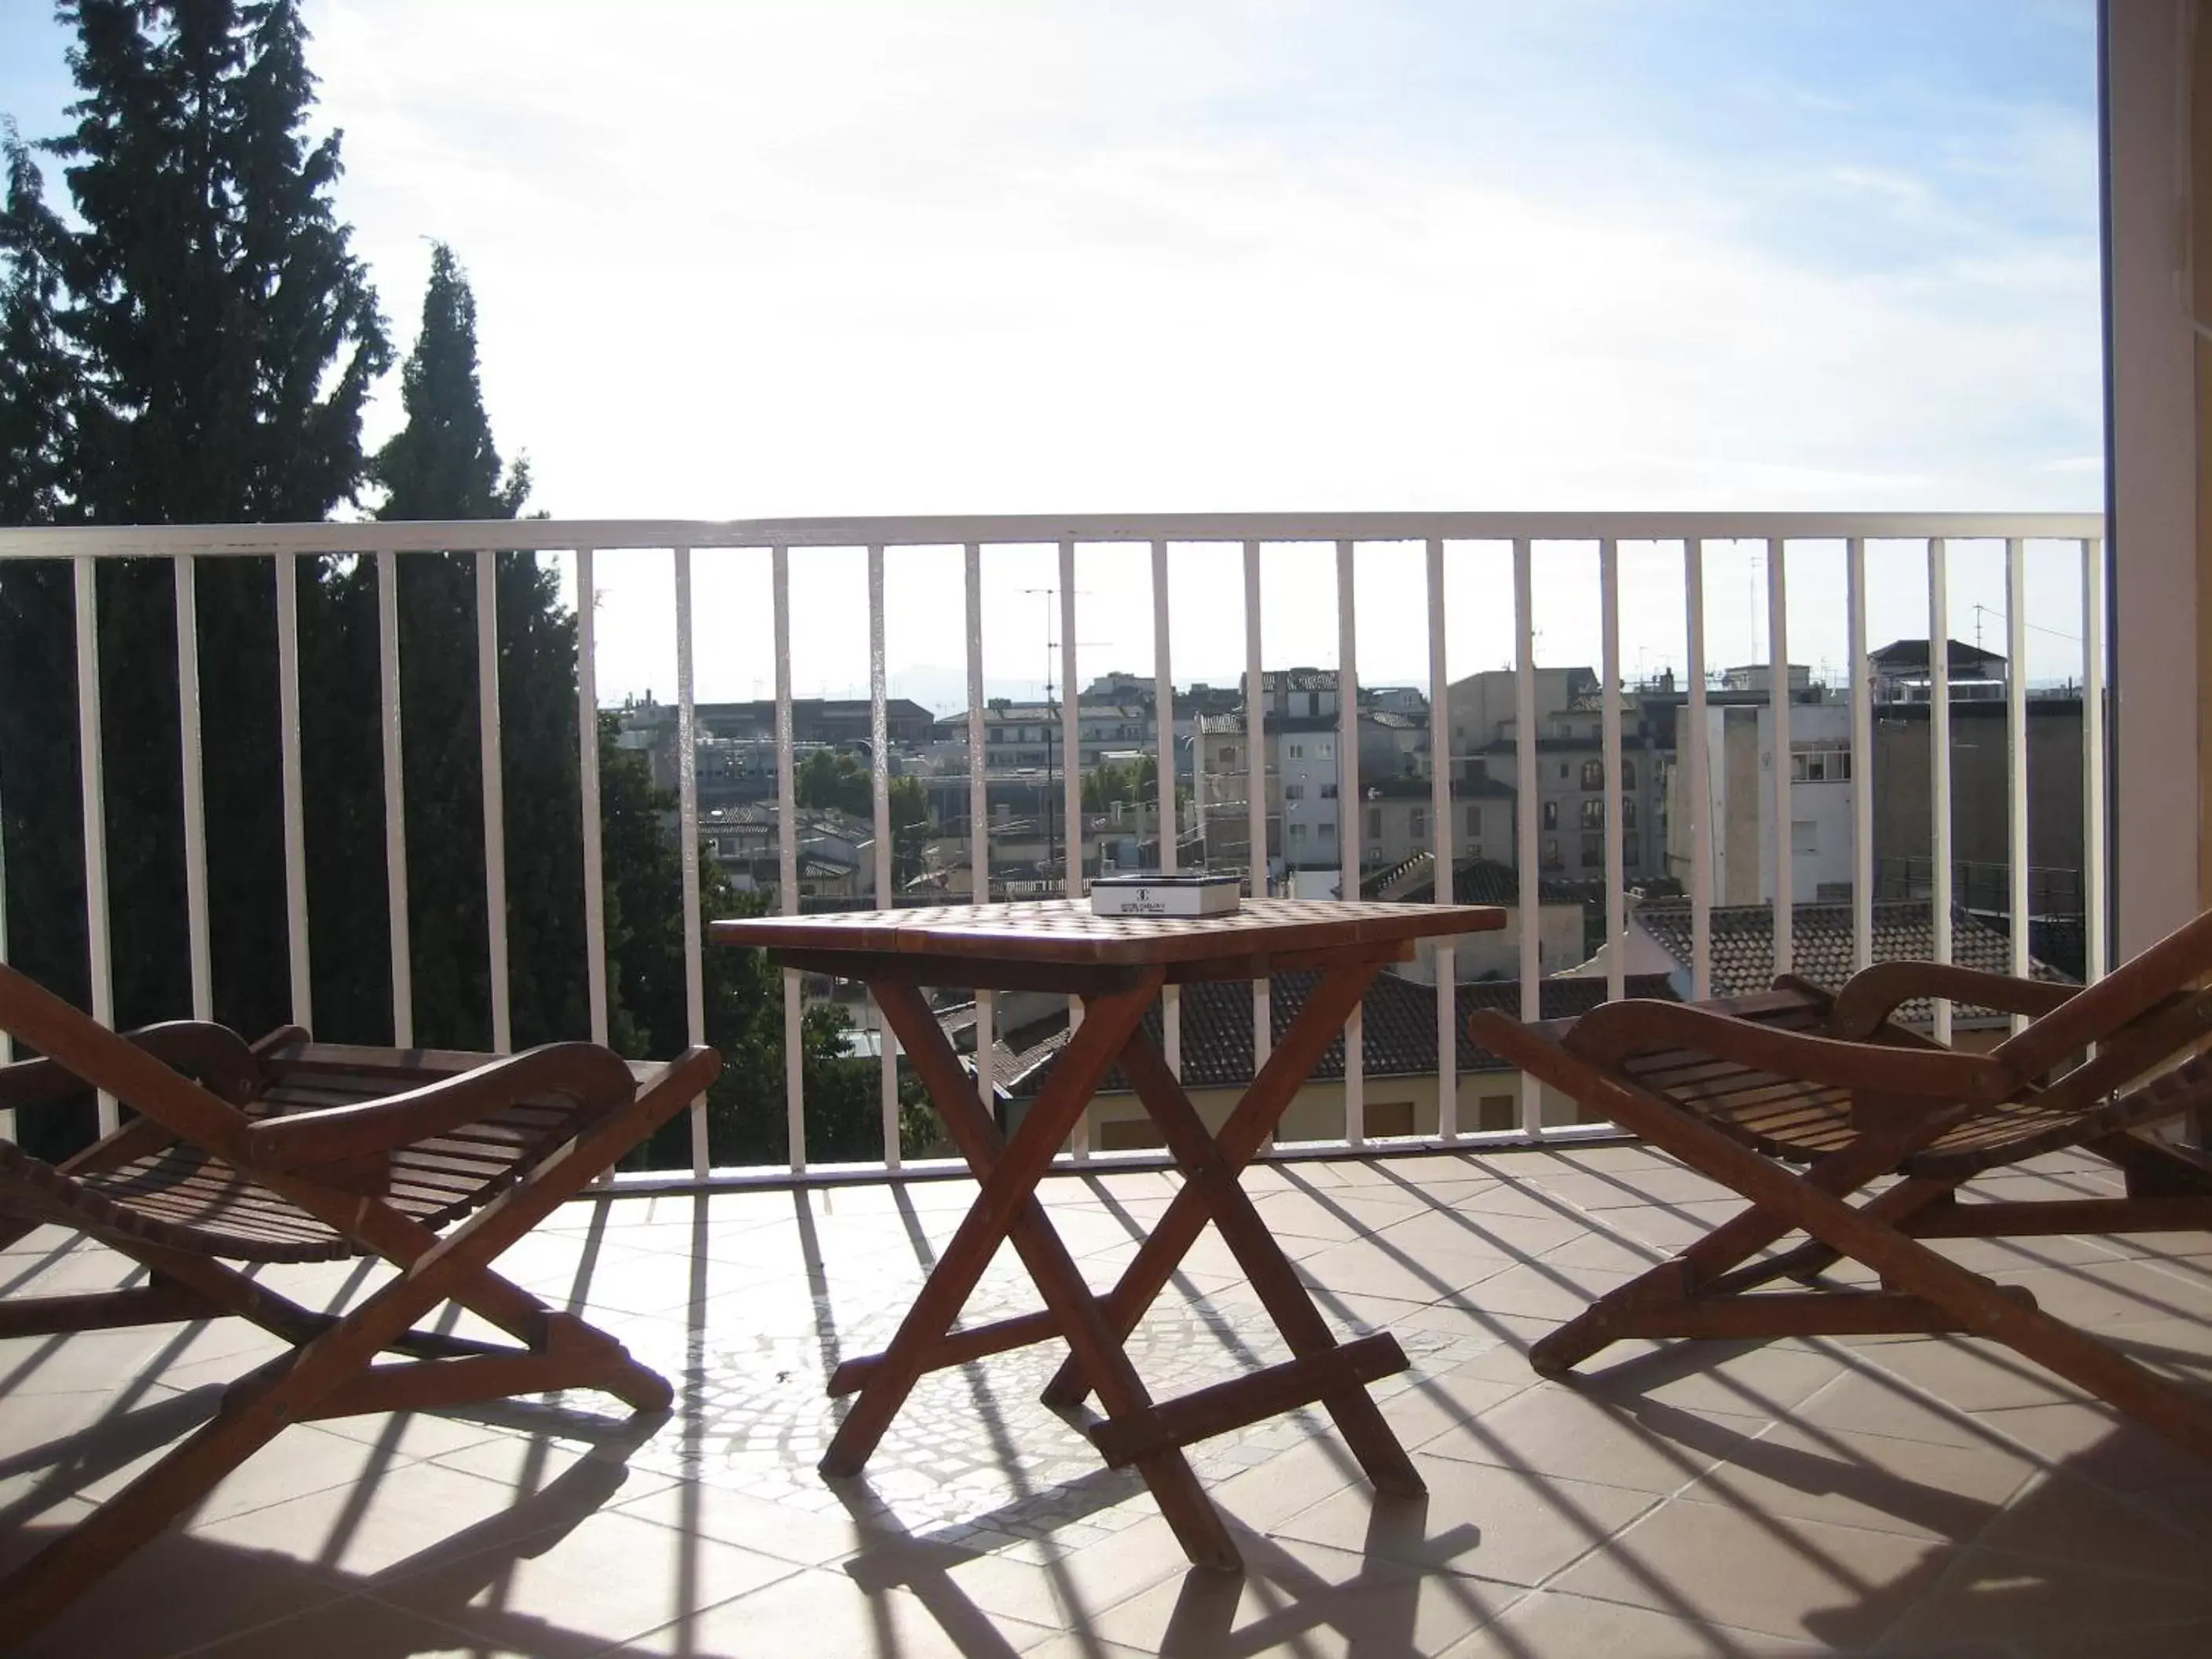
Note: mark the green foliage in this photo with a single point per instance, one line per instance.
(194, 345)
(37, 378)
(742, 997)
(837, 780)
(1136, 783)
(442, 463)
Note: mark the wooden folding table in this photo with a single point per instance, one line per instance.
(1117, 966)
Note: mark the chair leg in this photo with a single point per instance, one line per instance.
(40, 1587)
(1714, 1264)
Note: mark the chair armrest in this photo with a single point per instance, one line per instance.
(82, 1046)
(584, 1071)
(215, 1054)
(1613, 1030)
(1873, 994)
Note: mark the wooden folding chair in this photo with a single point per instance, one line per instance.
(290, 1151)
(1739, 1089)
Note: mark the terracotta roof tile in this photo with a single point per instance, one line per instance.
(1820, 944)
(1399, 1026)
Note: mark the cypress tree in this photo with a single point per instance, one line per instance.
(444, 465)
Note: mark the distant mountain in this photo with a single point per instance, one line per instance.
(945, 690)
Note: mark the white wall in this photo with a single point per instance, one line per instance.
(1825, 807)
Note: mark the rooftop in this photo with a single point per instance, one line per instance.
(1474, 881)
(1398, 1026)
(1901, 655)
(1820, 943)
(1922, 1496)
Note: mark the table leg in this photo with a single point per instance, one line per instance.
(1247, 1130)
(1008, 1207)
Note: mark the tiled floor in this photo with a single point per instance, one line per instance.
(1932, 1496)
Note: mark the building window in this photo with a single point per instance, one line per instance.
(1374, 824)
(1592, 774)
(1805, 837)
(1563, 771)
(1627, 774)
(1551, 852)
(1593, 813)
(1324, 749)
(1474, 822)
(1329, 791)
(1227, 753)
(1294, 792)
(1593, 851)
(1297, 751)
(1551, 815)
(1819, 763)
(1328, 832)
(1297, 832)
(1417, 825)
(1628, 811)
(1496, 1112)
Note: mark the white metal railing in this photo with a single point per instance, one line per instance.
(1437, 535)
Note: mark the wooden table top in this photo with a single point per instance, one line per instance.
(1065, 932)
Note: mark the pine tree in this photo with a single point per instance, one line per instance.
(38, 796)
(444, 465)
(37, 378)
(218, 340)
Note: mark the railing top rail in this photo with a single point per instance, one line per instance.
(555, 535)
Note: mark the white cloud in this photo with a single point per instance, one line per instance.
(740, 260)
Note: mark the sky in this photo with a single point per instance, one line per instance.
(750, 259)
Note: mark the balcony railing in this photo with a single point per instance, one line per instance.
(1515, 550)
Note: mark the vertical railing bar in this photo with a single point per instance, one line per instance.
(2093, 803)
(1855, 606)
(1778, 697)
(397, 921)
(1698, 797)
(588, 781)
(2016, 769)
(1528, 885)
(296, 831)
(495, 795)
(189, 755)
(1163, 746)
(787, 859)
(1071, 732)
(1349, 807)
(587, 771)
(1939, 759)
(1255, 798)
(1071, 751)
(879, 787)
(687, 831)
(99, 946)
(979, 818)
(1613, 795)
(1440, 844)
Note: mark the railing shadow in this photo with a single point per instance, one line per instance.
(461, 1579)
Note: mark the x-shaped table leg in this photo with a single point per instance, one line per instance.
(1007, 1208)
(1208, 1173)
(1239, 1142)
